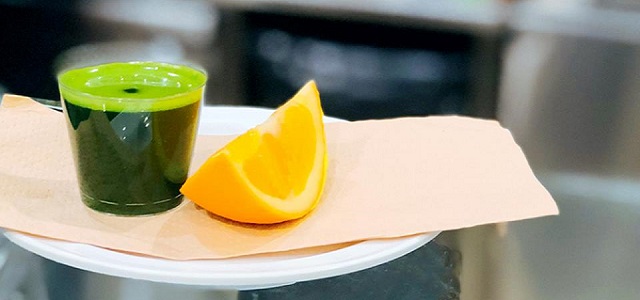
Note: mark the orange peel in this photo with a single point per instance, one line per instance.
(273, 172)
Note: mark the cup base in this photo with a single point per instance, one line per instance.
(131, 209)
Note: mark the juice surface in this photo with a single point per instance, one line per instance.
(130, 86)
(133, 137)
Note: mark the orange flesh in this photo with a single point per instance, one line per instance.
(272, 173)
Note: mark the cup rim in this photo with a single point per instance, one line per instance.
(119, 99)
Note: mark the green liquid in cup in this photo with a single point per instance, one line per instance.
(132, 128)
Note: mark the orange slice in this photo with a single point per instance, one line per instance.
(272, 173)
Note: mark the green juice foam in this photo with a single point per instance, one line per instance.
(132, 86)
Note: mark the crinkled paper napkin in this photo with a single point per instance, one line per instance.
(386, 179)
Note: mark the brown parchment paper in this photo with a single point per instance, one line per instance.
(386, 179)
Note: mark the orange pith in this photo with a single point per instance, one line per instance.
(272, 173)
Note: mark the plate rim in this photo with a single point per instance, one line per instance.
(390, 250)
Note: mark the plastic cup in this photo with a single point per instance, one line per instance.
(132, 127)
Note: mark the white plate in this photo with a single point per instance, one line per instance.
(235, 273)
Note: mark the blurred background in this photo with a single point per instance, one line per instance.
(386, 58)
(563, 76)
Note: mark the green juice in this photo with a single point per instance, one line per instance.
(132, 128)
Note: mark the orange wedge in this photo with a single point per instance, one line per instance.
(272, 173)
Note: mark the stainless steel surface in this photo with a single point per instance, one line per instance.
(610, 20)
(480, 17)
(67, 283)
(427, 273)
(53, 104)
(587, 252)
(570, 95)
(21, 274)
(573, 103)
(571, 91)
